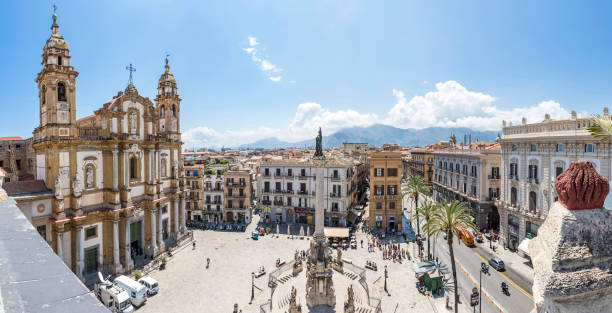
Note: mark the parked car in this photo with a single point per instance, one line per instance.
(497, 263)
(151, 285)
(136, 291)
(255, 235)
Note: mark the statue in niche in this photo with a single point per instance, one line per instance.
(89, 177)
(77, 187)
(133, 123)
(58, 188)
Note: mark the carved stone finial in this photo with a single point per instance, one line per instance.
(524, 121)
(581, 187)
(574, 114)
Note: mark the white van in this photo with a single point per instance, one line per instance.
(113, 297)
(151, 284)
(137, 292)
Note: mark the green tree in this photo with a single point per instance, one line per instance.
(602, 127)
(446, 220)
(427, 210)
(413, 188)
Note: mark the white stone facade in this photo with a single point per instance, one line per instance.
(532, 157)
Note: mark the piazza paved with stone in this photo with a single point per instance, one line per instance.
(187, 286)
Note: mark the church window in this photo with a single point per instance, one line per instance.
(162, 112)
(44, 95)
(59, 60)
(173, 111)
(133, 168)
(61, 92)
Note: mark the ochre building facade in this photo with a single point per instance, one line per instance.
(114, 181)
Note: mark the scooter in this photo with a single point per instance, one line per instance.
(504, 287)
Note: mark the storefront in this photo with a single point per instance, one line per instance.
(391, 222)
(304, 216)
(531, 230)
(379, 220)
(335, 220)
(513, 232)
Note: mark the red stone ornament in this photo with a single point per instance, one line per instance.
(580, 187)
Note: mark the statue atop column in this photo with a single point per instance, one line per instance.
(319, 145)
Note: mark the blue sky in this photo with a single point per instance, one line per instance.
(247, 70)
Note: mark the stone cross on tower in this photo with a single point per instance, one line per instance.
(131, 69)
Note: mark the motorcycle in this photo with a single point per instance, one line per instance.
(485, 269)
(504, 287)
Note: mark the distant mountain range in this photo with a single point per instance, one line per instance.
(378, 135)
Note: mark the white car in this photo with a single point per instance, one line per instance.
(151, 285)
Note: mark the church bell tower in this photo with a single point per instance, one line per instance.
(56, 89)
(168, 105)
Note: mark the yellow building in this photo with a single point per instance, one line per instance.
(194, 181)
(385, 207)
(108, 187)
(237, 196)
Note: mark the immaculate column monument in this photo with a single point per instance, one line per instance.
(319, 285)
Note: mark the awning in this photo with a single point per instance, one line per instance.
(351, 218)
(524, 246)
(336, 232)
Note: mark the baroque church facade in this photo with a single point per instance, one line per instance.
(114, 180)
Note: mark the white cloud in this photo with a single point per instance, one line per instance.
(253, 41)
(449, 105)
(452, 105)
(267, 67)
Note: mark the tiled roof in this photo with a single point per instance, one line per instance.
(10, 138)
(85, 118)
(25, 187)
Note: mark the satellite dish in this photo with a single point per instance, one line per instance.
(100, 277)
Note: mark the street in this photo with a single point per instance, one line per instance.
(468, 262)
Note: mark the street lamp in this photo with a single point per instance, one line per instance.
(252, 287)
(482, 265)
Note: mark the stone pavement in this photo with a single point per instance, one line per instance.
(187, 286)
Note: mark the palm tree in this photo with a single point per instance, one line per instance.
(414, 187)
(446, 220)
(427, 210)
(602, 127)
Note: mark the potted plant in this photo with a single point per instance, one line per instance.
(137, 275)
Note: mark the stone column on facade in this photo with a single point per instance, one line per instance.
(151, 166)
(126, 169)
(115, 170)
(175, 213)
(182, 214)
(129, 264)
(116, 260)
(60, 245)
(79, 253)
(160, 238)
(154, 250)
(158, 172)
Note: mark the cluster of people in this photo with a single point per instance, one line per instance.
(390, 250)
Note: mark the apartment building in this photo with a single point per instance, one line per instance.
(471, 176)
(385, 209)
(237, 196)
(17, 158)
(287, 190)
(533, 155)
(421, 164)
(213, 198)
(194, 175)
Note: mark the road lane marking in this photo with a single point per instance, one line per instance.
(506, 277)
(476, 285)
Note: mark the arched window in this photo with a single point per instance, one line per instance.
(61, 92)
(44, 95)
(513, 195)
(133, 168)
(173, 111)
(533, 200)
(162, 112)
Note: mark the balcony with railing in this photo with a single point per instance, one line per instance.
(278, 202)
(513, 177)
(392, 197)
(379, 197)
(533, 180)
(91, 133)
(235, 184)
(335, 178)
(334, 195)
(266, 202)
(302, 192)
(491, 176)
